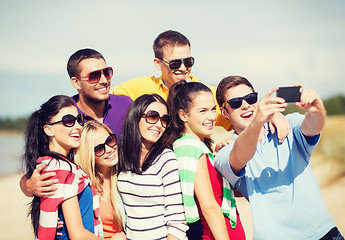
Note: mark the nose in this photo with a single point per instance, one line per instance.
(103, 79)
(244, 105)
(109, 149)
(182, 67)
(212, 116)
(78, 126)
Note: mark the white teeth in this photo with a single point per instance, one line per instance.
(247, 114)
(111, 155)
(155, 132)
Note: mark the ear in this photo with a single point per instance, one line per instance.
(224, 112)
(48, 130)
(75, 83)
(157, 64)
(182, 115)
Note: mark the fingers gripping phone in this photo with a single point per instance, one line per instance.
(290, 94)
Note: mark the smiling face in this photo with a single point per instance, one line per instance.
(97, 92)
(170, 53)
(109, 158)
(201, 116)
(62, 138)
(241, 117)
(151, 133)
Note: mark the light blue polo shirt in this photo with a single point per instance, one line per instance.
(284, 195)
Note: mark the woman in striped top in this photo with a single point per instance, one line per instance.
(52, 133)
(208, 198)
(148, 177)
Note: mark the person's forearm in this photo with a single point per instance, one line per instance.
(172, 237)
(245, 146)
(314, 122)
(215, 220)
(23, 186)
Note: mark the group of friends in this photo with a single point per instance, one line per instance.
(137, 161)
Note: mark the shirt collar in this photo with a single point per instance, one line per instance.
(108, 106)
(161, 83)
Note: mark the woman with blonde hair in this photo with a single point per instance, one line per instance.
(97, 156)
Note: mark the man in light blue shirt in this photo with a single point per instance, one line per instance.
(275, 176)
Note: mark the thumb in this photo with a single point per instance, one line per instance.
(272, 128)
(40, 168)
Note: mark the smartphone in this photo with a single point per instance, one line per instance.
(290, 94)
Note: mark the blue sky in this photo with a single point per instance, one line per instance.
(272, 43)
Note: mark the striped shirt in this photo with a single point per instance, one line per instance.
(72, 181)
(153, 200)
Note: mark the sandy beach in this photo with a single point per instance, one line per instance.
(15, 225)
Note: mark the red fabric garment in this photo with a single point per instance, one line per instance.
(217, 186)
(72, 181)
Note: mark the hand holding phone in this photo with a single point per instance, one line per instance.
(290, 94)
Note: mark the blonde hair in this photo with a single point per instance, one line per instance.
(85, 159)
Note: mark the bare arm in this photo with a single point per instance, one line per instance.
(208, 204)
(315, 116)
(279, 122)
(38, 184)
(172, 237)
(245, 145)
(73, 220)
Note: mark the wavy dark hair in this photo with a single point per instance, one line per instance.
(181, 96)
(131, 139)
(37, 144)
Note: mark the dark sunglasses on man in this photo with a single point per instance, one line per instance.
(69, 120)
(235, 103)
(100, 148)
(152, 117)
(176, 63)
(95, 76)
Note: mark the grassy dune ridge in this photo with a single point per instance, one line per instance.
(329, 155)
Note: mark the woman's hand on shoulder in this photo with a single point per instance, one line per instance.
(220, 145)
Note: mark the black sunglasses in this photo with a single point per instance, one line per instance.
(152, 117)
(176, 63)
(100, 148)
(69, 120)
(95, 76)
(235, 103)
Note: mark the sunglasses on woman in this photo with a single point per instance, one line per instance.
(152, 117)
(100, 148)
(95, 76)
(176, 63)
(235, 103)
(69, 120)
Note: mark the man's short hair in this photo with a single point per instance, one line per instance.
(73, 62)
(168, 38)
(227, 83)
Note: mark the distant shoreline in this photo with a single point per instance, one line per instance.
(10, 132)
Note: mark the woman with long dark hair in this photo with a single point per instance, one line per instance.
(52, 133)
(208, 198)
(148, 176)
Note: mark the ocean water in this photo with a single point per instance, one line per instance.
(11, 149)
